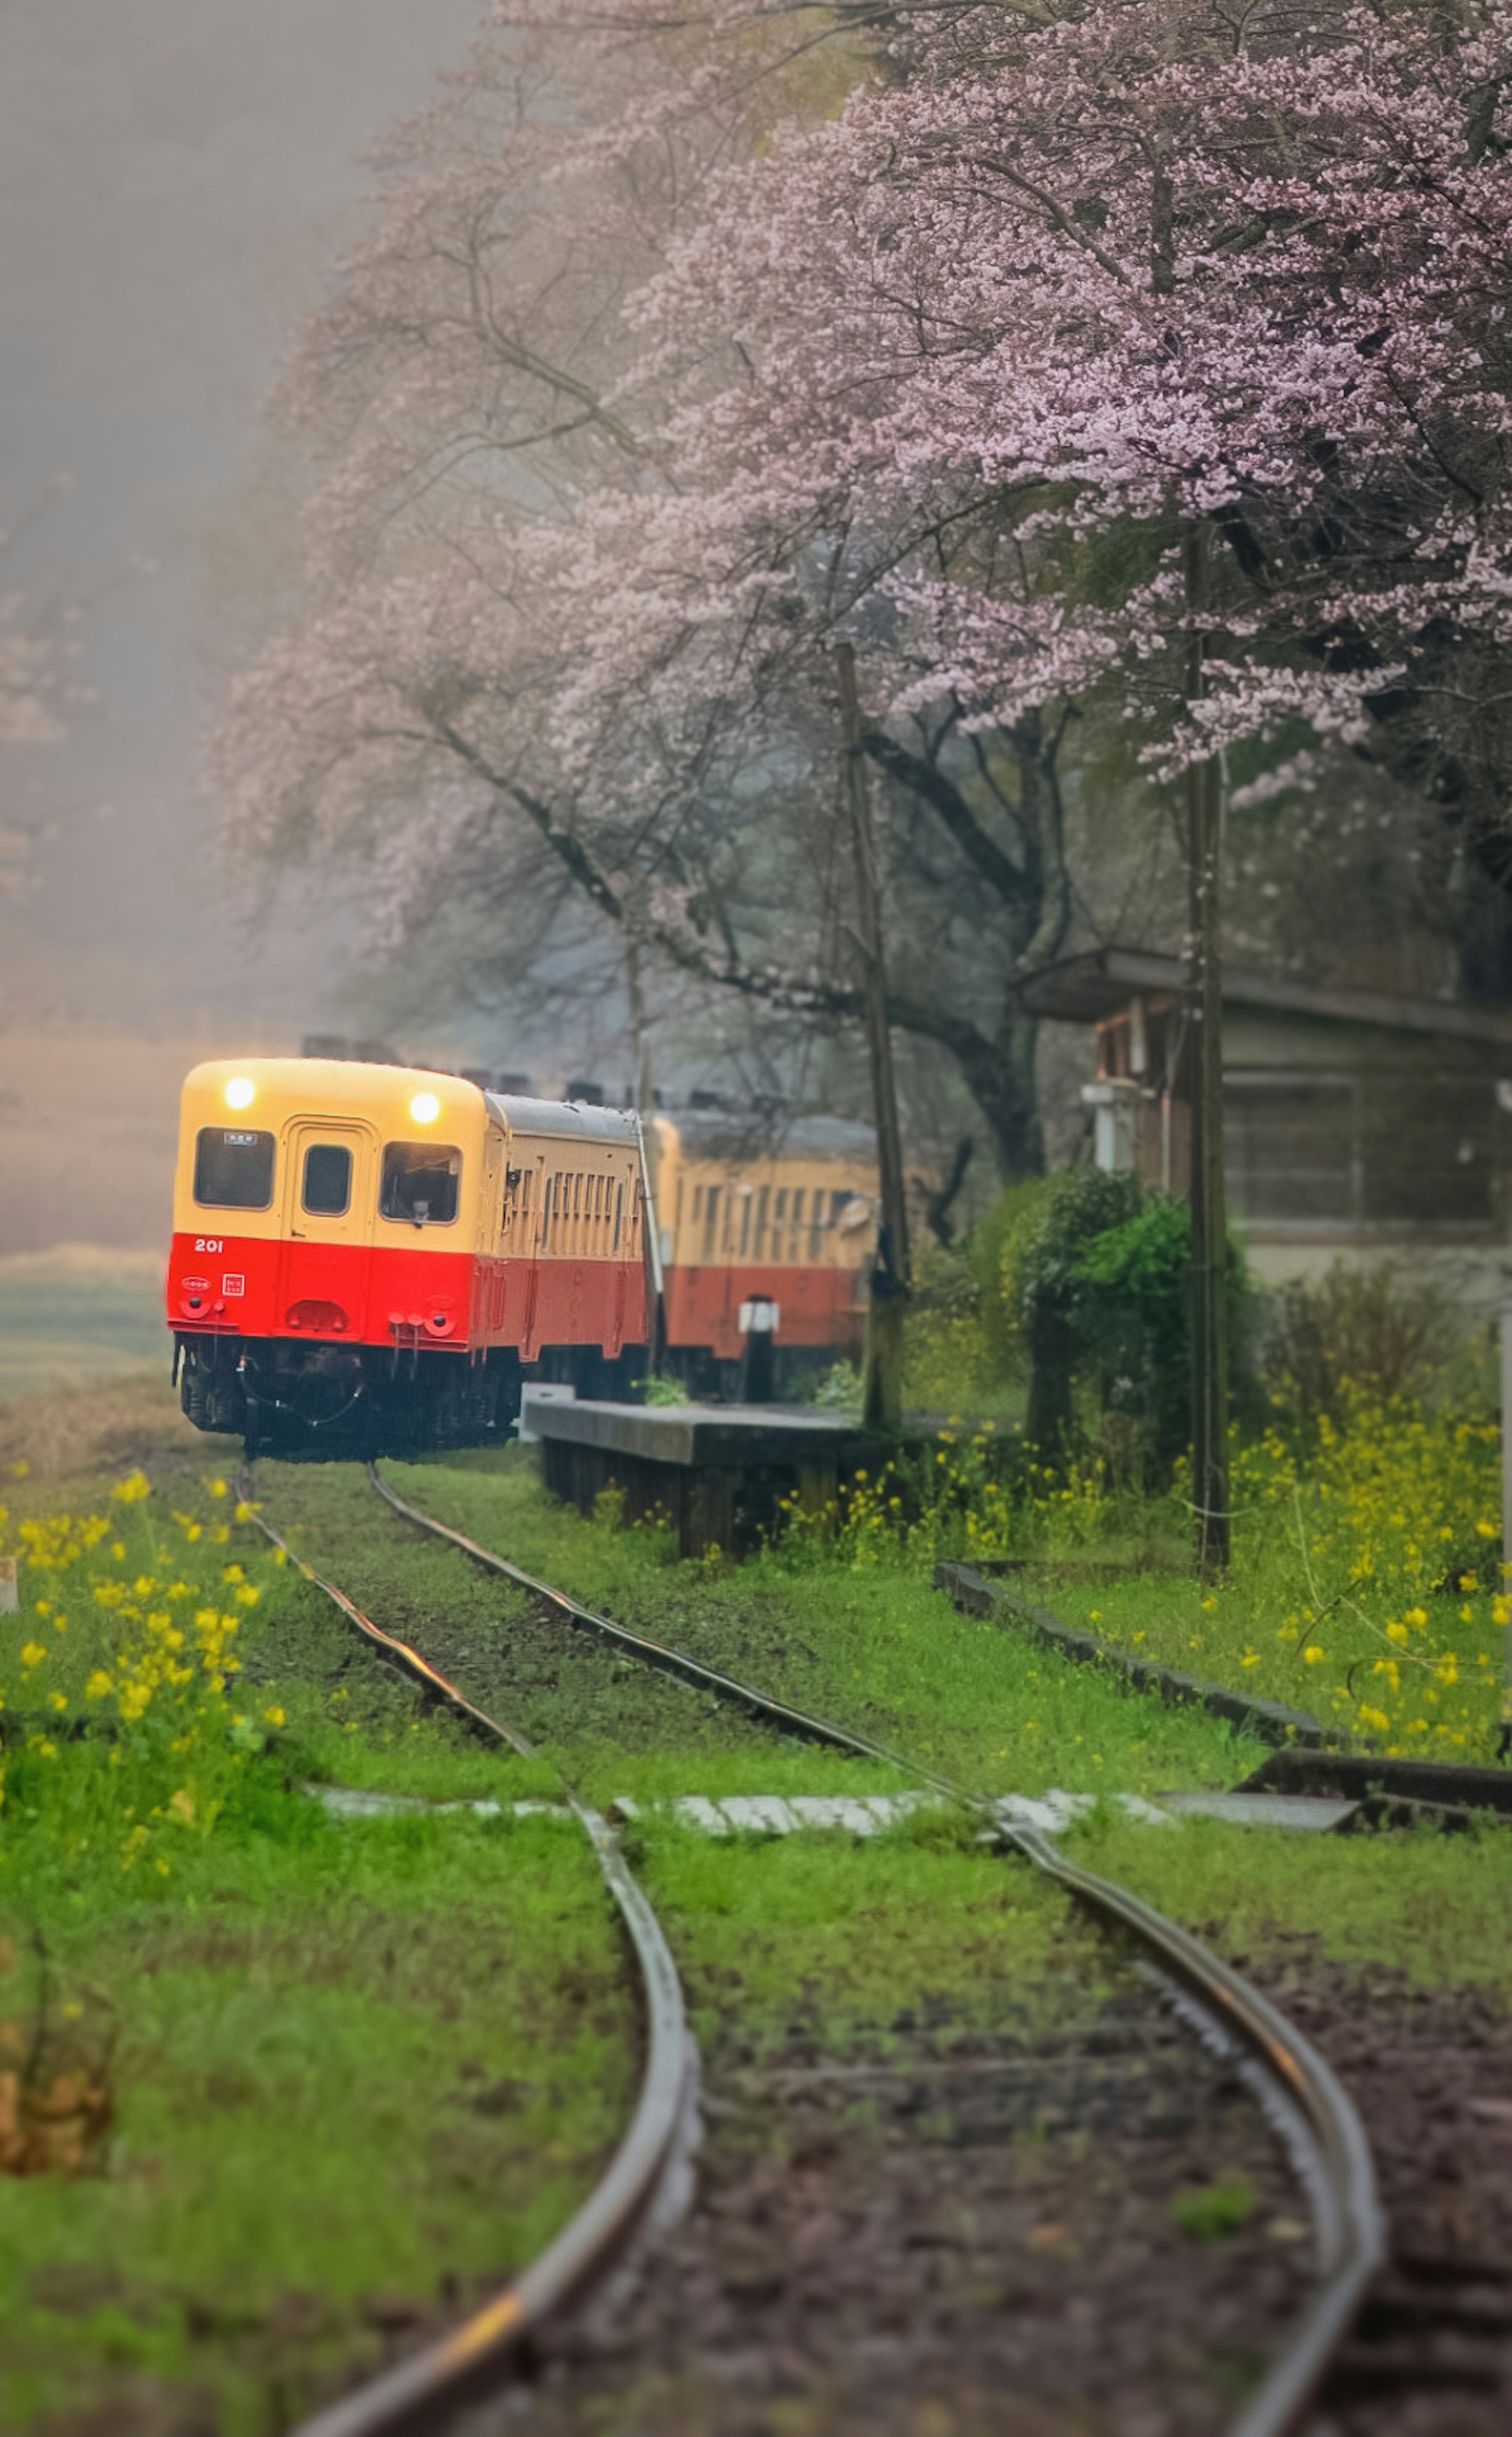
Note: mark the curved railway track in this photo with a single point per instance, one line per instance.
(476, 2357)
(1310, 2110)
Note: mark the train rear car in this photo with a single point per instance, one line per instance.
(767, 1241)
(370, 1257)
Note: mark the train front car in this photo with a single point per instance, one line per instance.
(352, 1270)
(767, 1241)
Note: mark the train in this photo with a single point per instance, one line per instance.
(372, 1258)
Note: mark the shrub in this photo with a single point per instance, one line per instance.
(1080, 1205)
(1370, 1328)
(1132, 1315)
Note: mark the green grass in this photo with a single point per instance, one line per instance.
(352, 2059)
(1434, 1907)
(355, 2057)
(876, 1648)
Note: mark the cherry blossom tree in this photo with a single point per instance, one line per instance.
(1141, 361)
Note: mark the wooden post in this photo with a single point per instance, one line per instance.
(882, 1363)
(1205, 1023)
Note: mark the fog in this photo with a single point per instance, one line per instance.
(174, 177)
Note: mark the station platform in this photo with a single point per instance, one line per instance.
(719, 1473)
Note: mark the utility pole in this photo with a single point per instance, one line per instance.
(1205, 1034)
(882, 1363)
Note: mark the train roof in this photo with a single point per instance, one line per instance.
(742, 1134)
(572, 1120)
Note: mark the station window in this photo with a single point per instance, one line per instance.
(233, 1170)
(327, 1188)
(421, 1182)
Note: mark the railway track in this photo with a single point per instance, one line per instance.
(1307, 2106)
(476, 2357)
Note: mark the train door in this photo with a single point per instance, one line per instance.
(330, 1205)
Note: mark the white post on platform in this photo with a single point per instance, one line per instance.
(1504, 1741)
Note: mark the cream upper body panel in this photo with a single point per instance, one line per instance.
(249, 1108)
(809, 1200)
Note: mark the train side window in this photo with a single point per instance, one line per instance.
(233, 1170)
(763, 1197)
(747, 1196)
(620, 1216)
(798, 1200)
(547, 1204)
(326, 1192)
(711, 1220)
(421, 1182)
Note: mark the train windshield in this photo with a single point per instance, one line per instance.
(233, 1168)
(421, 1182)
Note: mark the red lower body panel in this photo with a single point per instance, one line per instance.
(816, 1306)
(361, 1294)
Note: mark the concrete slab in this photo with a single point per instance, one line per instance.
(866, 1815)
(1314, 1811)
(695, 1435)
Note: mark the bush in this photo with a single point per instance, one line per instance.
(1354, 1328)
(1132, 1311)
(1077, 1206)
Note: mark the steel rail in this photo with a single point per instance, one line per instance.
(1316, 2118)
(473, 2360)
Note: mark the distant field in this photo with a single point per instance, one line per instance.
(91, 1125)
(78, 1312)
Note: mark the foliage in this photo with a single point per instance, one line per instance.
(1365, 1583)
(1082, 1204)
(1132, 1315)
(1372, 1328)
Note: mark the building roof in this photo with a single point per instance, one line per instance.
(1089, 988)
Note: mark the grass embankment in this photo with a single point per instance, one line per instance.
(1365, 1583)
(268, 2081)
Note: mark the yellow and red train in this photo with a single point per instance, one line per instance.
(373, 1256)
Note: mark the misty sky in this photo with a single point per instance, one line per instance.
(174, 175)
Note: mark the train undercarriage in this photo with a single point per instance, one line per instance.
(342, 1402)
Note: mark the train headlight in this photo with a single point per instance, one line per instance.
(240, 1092)
(424, 1108)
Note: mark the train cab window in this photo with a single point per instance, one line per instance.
(420, 1183)
(327, 1187)
(233, 1170)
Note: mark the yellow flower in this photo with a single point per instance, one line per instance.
(1396, 1632)
(180, 1806)
(1487, 1531)
(59, 1700)
(1312, 1656)
(217, 1489)
(98, 1685)
(133, 1489)
(233, 1574)
(248, 1595)
(33, 1654)
(273, 1717)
